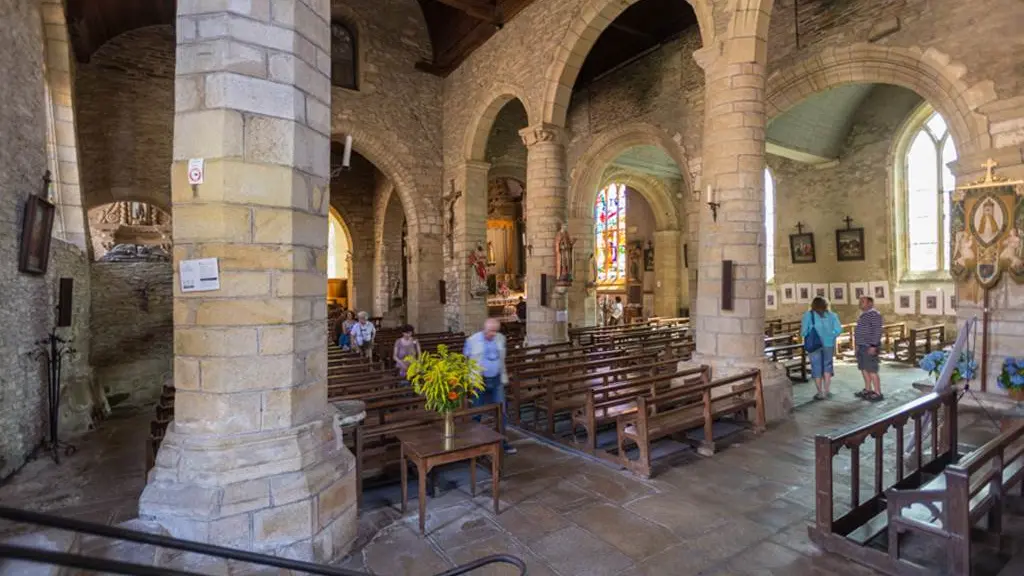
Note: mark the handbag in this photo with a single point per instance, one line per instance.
(812, 342)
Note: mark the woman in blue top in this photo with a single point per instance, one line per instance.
(826, 323)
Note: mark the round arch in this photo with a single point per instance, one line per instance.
(479, 129)
(653, 190)
(590, 21)
(592, 166)
(341, 222)
(937, 83)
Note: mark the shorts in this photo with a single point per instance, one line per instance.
(866, 362)
(821, 362)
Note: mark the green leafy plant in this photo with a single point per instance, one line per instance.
(444, 378)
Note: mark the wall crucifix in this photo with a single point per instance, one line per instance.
(449, 207)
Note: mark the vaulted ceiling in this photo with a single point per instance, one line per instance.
(91, 23)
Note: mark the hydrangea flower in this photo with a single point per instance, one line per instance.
(1012, 376)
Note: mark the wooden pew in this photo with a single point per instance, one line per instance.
(935, 491)
(685, 408)
(891, 334)
(793, 358)
(603, 405)
(846, 342)
(920, 343)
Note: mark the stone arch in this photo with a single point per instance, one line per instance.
(747, 31)
(479, 130)
(590, 21)
(928, 73)
(388, 257)
(653, 190)
(591, 166)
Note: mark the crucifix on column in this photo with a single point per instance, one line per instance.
(799, 227)
(849, 222)
(449, 208)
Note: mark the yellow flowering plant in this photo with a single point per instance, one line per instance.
(444, 378)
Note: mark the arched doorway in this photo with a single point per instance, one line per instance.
(339, 262)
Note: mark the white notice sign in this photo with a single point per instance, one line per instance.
(199, 275)
(561, 316)
(196, 171)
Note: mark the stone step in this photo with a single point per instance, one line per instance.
(50, 540)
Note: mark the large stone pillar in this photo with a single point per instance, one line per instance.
(582, 301)
(252, 460)
(667, 273)
(470, 233)
(546, 209)
(733, 167)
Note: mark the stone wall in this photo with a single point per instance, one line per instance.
(125, 103)
(132, 329)
(352, 196)
(858, 185)
(28, 302)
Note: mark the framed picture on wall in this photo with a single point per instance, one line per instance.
(820, 291)
(858, 290)
(838, 293)
(802, 248)
(649, 258)
(771, 300)
(804, 293)
(879, 291)
(932, 302)
(850, 244)
(904, 302)
(34, 252)
(788, 293)
(950, 305)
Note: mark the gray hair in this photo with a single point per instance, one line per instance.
(362, 316)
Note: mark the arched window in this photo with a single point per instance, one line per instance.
(928, 184)
(769, 227)
(610, 235)
(344, 59)
(337, 248)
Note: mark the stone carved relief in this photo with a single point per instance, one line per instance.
(541, 134)
(128, 223)
(135, 253)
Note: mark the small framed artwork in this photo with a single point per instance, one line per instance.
(904, 302)
(788, 293)
(34, 253)
(802, 248)
(950, 304)
(879, 291)
(820, 291)
(804, 293)
(850, 244)
(771, 301)
(838, 293)
(932, 302)
(858, 290)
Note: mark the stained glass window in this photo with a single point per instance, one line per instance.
(343, 57)
(929, 184)
(610, 235)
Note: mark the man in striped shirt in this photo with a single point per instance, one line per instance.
(868, 336)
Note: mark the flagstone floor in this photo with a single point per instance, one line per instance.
(743, 512)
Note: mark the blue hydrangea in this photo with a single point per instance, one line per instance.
(1012, 376)
(932, 362)
(1017, 380)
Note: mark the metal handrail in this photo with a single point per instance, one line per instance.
(129, 569)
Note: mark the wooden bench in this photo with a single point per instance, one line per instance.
(891, 334)
(846, 341)
(920, 343)
(603, 405)
(685, 408)
(793, 358)
(935, 492)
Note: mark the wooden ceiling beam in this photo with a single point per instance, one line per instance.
(479, 9)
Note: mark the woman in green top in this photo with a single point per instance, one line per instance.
(826, 323)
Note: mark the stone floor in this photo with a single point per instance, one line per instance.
(742, 512)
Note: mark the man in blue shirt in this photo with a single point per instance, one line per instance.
(488, 348)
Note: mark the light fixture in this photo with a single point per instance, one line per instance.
(712, 204)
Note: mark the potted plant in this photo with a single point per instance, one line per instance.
(445, 379)
(1011, 378)
(966, 367)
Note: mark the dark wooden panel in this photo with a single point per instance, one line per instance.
(728, 284)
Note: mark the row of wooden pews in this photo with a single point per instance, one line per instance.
(935, 509)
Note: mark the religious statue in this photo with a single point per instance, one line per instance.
(564, 248)
(636, 255)
(478, 274)
(1011, 251)
(591, 271)
(965, 249)
(491, 260)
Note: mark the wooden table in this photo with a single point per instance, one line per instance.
(425, 447)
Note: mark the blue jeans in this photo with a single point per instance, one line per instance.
(493, 393)
(821, 362)
(343, 340)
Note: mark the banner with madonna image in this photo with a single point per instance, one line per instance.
(987, 229)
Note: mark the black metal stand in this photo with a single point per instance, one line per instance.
(54, 348)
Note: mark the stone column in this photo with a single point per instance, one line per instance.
(667, 274)
(581, 301)
(546, 208)
(252, 460)
(733, 155)
(470, 232)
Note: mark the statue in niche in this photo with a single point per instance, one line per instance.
(135, 253)
(396, 294)
(491, 260)
(478, 272)
(564, 248)
(636, 255)
(591, 271)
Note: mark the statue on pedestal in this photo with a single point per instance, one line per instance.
(591, 271)
(564, 248)
(478, 274)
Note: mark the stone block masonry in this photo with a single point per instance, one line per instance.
(251, 460)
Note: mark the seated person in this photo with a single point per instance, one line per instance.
(405, 347)
(521, 309)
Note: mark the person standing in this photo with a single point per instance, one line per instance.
(868, 336)
(521, 309)
(488, 349)
(825, 325)
(618, 310)
(405, 347)
(363, 332)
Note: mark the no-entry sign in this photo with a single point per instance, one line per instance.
(195, 171)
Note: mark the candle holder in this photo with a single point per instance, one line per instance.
(714, 210)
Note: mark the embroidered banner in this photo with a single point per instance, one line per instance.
(987, 229)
